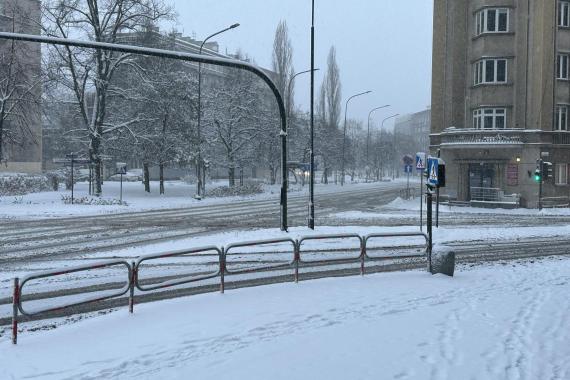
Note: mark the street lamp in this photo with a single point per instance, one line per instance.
(344, 133)
(289, 90)
(382, 127)
(311, 220)
(201, 188)
(368, 133)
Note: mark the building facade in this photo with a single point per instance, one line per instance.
(20, 75)
(412, 132)
(501, 95)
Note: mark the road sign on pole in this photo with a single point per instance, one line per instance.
(420, 161)
(432, 166)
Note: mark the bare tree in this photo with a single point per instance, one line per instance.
(333, 90)
(235, 120)
(282, 65)
(89, 74)
(328, 116)
(20, 83)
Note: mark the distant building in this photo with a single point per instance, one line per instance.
(23, 16)
(412, 132)
(501, 95)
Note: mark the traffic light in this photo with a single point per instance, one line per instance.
(537, 175)
(547, 170)
(441, 173)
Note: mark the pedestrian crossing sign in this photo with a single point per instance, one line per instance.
(432, 166)
(420, 161)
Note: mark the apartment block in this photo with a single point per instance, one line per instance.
(501, 96)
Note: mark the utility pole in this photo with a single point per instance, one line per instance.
(344, 133)
(311, 220)
(200, 170)
(368, 135)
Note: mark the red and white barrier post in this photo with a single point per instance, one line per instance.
(133, 280)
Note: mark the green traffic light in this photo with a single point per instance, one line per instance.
(537, 178)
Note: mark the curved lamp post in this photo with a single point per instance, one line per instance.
(344, 132)
(188, 57)
(368, 132)
(388, 118)
(201, 186)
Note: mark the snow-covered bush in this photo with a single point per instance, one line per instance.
(93, 201)
(225, 191)
(21, 184)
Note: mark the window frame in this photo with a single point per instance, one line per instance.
(480, 71)
(563, 60)
(482, 20)
(563, 14)
(561, 111)
(561, 172)
(494, 113)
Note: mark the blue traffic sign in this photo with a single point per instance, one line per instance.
(408, 169)
(420, 161)
(432, 169)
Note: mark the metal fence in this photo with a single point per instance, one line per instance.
(297, 255)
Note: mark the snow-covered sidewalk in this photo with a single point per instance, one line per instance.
(505, 321)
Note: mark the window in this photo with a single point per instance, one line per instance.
(564, 13)
(562, 118)
(492, 20)
(562, 66)
(490, 118)
(561, 174)
(490, 71)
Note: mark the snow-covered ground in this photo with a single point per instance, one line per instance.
(178, 194)
(414, 205)
(502, 321)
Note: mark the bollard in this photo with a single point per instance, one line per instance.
(15, 302)
(132, 288)
(443, 261)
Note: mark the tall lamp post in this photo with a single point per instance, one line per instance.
(344, 132)
(368, 134)
(385, 120)
(200, 190)
(289, 89)
(311, 220)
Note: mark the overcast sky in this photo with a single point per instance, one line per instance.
(382, 45)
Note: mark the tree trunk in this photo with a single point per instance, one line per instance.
(272, 174)
(326, 176)
(161, 174)
(146, 178)
(231, 176)
(98, 185)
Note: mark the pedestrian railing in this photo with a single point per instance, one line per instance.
(214, 262)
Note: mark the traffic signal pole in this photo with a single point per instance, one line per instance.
(541, 166)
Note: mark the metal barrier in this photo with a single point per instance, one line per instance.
(133, 280)
(367, 238)
(19, 285)
(359, 258)
(180, 281)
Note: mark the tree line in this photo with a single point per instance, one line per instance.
(102, 103)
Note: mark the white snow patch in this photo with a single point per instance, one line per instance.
(491, 322)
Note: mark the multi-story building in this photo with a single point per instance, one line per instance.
(501, 94)
(412, 132)
(20, 75)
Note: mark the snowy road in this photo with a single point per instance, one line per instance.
(502, 321)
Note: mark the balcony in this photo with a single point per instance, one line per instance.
(496, 138)
(479, 137)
